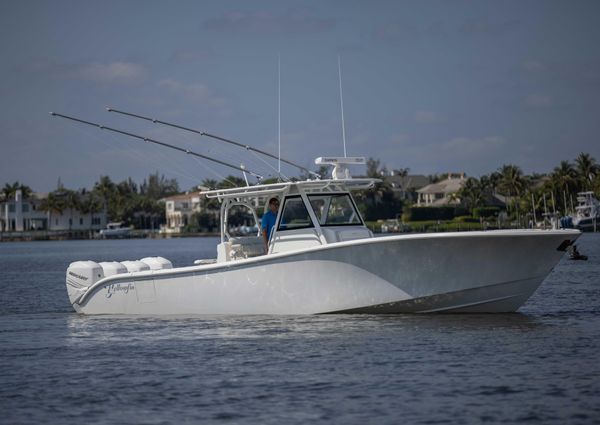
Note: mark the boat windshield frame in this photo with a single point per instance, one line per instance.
(345, 195)
(284, 204)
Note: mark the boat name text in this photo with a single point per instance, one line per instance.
(119, 287)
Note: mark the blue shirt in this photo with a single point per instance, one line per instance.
(267, 222)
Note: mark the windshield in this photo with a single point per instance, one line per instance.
(295, 215)
(334, 209)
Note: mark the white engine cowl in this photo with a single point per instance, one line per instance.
(80, 276)
(157, 263)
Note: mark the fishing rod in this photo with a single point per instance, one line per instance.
(147, 139)
(222, 139)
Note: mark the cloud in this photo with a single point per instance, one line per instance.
(426, 117)
(473, 146)
(197, 92)
(113, 72)
(539, 101)
(197, 55)
(291, 22)
(117, 72)
(533, 66)
(485, 27)
(396, 31)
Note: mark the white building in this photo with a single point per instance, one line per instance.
(19, 215)
(179, 211)
(443, 192)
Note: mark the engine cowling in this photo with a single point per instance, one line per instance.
(80, 276)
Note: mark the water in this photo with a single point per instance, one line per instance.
(540, 365)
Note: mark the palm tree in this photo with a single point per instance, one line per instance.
(512, 184)
(91, 204)
(511, 181)
(71, 202)
(563, 180)
(50, 204)
(105, 189)
(9, 190)
(472, 194)
(587, 169)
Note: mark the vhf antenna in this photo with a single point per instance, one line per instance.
(342, 104)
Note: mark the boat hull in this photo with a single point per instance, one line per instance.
(494, 271)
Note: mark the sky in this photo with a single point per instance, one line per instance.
(433, 86)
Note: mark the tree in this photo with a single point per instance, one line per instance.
(564, 177)
(402, 172)
(472, 194)
(379, 202)
(158, 187)
(586, 169)
(511, 181)
(105, 189)
(373, 170)
(9, 190)
(70, 201)
(231, 182)
(90, 204)
(50, 204)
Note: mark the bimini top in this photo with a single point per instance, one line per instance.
(326, 185)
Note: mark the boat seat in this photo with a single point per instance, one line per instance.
(246, 247)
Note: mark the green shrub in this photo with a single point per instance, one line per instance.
(466, 219)
(486, 212)
(430, 213)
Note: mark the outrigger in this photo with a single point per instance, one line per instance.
(322, 258)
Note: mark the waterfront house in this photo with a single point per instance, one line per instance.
(405, 186)
(32, 214)
(179, 211)
(443, 192)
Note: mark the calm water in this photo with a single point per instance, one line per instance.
(541, 365)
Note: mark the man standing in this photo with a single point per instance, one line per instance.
(268, 221)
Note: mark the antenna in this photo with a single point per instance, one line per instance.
(241, 168)
(342, 104)
(279, 115)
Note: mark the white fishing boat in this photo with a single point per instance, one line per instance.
(321, 258)
(115, 230)
(587, 212)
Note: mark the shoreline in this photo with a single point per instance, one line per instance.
(65, 235)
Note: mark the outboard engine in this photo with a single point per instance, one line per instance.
(135, 266)
(157, 263)
(111, 268)
(80, 276)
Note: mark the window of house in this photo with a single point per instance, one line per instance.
(11, 208)
(81, 221)
(96, 221)
(25, 208)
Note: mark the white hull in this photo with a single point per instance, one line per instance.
(495, 271)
